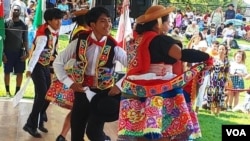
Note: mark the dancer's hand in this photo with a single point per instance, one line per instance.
(4, 58)
(114, 91)
(28, 74)
(77, 87)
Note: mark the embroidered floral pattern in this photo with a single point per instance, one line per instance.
(105, 75)
(60, 95)
(167, 117)
(131, 88)
(45, 55)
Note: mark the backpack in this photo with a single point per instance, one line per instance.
(234, 44)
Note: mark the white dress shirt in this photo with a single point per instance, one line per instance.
(40, 43)
(92, 54)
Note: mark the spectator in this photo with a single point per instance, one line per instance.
(176, 34)
(228, 35)
(31, 32)
(204, 32)
(220, 30)
(15, 44)
(184, 23)
(207, 18)
(7, 5)
(23, 6)
(82, 4)
(191, 29)
(190, 14)
(240, 33)
(230, 12)
(51, 3)
(31, 7)
(178, 19)
(217, 17)
(63, 6)
(200, 23)
(218, 78)
(211, 37)
(238, 71)
(238, 15)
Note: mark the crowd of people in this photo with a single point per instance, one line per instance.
(148, 102)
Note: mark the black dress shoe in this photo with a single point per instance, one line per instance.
(33, 132)
(107, 138)
(43, 129)
(60, 138)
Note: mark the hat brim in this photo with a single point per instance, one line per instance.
(106, 108)
(154, 15)
(80, 12)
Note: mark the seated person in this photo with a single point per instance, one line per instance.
(219, 30)
(211, 37)
(191, 29)
(228, 34)
(176, 34)
(240, 33)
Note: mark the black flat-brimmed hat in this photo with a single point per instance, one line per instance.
(105, 107)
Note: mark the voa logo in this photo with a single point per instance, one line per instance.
(236, 132)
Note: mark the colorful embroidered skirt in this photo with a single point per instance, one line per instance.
(165, 115)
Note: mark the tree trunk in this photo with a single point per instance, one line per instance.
(235, 2)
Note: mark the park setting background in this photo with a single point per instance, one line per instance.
(210, 124)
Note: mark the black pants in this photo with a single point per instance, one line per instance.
(82, 120)
(41, 79)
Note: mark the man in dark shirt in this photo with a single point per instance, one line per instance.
(230, 12)
(219, 30)
(15, 49)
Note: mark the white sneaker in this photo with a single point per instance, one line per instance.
(8, 94)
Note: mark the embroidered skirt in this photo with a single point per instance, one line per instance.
(165, 115)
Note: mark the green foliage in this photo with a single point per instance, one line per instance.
(200, 5)
(210, 124)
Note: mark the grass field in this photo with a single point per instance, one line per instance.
(210, 124)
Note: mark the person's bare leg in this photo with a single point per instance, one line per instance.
(236, 98)
(228, 44)
(66, 125)
(212, 109)
(7, 81)
(217, 111)
(231, 98)
(227, 98)
(19, 80)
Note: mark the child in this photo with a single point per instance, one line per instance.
(238, 70)
(245, 107)
(39, 71)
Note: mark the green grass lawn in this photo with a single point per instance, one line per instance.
(210, 125)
